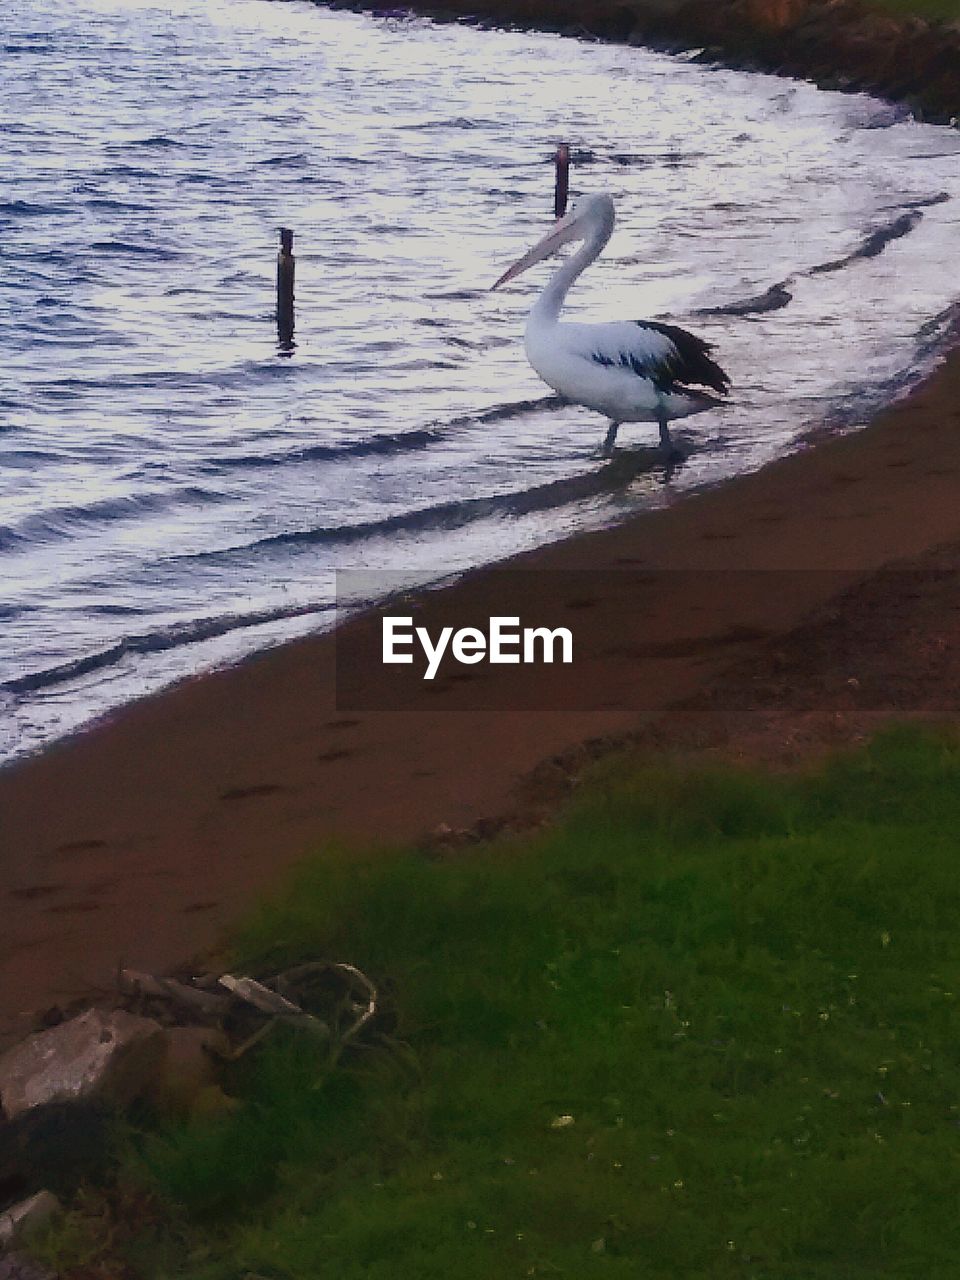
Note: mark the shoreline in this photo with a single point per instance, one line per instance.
(141, 838)
(848, 45)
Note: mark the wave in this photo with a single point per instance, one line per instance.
(874, 242)
(125, 171)
(10, 612)
(240, 376)
(27, 209)
(939, 332)
(872, 245)
(113, 206)
(159, 140)
(60, 523)
(138, 250)
(448, 516)
(667, 159)
(157, 641)
(23, 459)
(930, 342)
(456, 122)
(382, 443)
(296, 158)
(775, 298)
(929, 202)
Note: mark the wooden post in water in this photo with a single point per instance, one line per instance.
(286, 266)
(562, 187)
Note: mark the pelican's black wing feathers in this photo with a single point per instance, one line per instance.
(691, 368)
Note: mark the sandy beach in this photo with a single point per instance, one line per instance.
(140, 839)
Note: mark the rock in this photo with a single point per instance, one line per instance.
(21, 1220)
(112, 1056)
(189, 1067)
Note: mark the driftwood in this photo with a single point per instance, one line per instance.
(262, 998)
(367, 1011)
(205, 1003)
(276, 1007)
(361, 1011)
(249, 1009)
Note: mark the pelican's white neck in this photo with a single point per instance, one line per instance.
(546, 310)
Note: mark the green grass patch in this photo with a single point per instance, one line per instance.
(707, 1028)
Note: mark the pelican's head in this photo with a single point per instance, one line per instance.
(592, 217)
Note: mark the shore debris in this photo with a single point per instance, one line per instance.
(271, 1002)
(166, 1038)
(100, 1054)
(167, 1042)
(192, 998)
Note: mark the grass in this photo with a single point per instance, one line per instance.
(707, 1028)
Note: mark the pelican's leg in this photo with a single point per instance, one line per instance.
(611, 438)
(666, 440)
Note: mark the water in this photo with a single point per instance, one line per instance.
(174, 493)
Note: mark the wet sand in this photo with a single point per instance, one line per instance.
(138, 840)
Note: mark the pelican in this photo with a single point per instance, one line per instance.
(629, 370)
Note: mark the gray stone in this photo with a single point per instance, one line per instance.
(21, 1220)
(111, 1056)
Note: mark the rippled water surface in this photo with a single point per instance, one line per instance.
(174, 493)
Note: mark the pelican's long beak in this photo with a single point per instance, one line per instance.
(564, 229)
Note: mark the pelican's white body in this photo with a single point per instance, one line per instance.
(563, 356)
